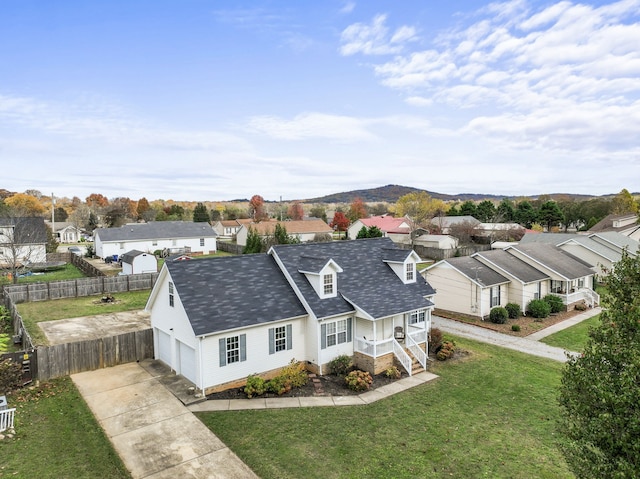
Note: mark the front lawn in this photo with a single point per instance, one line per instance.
(573, 338)
(56, 435)
(490, 414)
(37, 311)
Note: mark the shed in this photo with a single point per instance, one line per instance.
(136, 262)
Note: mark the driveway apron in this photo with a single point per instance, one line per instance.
(153, 432)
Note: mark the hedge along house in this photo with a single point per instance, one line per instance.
(168, 236)
(218, 320)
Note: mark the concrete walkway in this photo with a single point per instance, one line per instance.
(153, 432)
(529, 344)
(315, 401)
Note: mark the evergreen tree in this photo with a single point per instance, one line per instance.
(254, 242)
(200, 214)
(600, 391)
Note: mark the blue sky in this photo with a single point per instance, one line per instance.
(217, 100)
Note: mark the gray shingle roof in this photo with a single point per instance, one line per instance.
(156, 230)
(366, 281)
(512, 265)
(565, 264)
(26, 230)
(232, 292)
(548, 238)
(477, 271)
(617, 239)
(130, 255)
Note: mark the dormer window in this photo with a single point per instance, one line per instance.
(411, 271)
(328, 284)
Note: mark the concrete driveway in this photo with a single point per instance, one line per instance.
(156, 436)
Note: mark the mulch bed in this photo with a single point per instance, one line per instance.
(528, 325)
(328, 385)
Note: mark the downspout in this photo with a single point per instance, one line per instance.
(201, 368)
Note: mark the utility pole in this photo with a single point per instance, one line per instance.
(53, 220)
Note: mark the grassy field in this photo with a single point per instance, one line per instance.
(34, 312)
(68, 272)
(573, 338)
(491, 414)
(57, 436)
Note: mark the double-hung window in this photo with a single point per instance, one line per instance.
(201, 241)
(232, 349)
(417, 317)
(410, 271)
(335, 332)
(280, 339)
(328, 284)
(495, 296)
(170, 294)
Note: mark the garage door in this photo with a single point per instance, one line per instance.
(164, 347)
(187, 361)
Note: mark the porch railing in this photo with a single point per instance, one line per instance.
(591, 297)
(374, 348)
(417, 351)
(402, 356)
(6, 419)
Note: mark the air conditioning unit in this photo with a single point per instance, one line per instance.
(3, 403)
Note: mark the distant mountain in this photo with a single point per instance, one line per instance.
(391, 193)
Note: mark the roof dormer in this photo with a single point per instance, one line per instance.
(322, 274)
(403, 263)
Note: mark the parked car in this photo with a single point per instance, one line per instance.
(76, 250)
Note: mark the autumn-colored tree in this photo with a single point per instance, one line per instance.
(340, 222)
(256, 208)
(25, 205)
(319, 211)
(624, 202)
(420, 208)
(295, 211)
(143, 207)
(96, 200)
(357, 210)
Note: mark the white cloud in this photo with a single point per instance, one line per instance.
(375, 38)
(348, 7)
(312, 125)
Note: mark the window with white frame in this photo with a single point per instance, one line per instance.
(154, 243)
(335, 332)
(538, 293)
(417, 317)
(495, 296)
(170, 294)
(410, 271)
(581, 283)
(328, 284)
(280, 338)
(233, 349)
(201, 241)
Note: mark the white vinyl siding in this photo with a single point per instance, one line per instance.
(336, 332)
(232, 349)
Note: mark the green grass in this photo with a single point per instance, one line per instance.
(57, 436)
(492, 414)
(4, 342)
(34, 312)
(68, 272)
(573, 338)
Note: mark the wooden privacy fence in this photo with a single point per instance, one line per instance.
(70, 358)
(74, 288)
(438, 254)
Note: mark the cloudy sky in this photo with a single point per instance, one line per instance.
(208, 100)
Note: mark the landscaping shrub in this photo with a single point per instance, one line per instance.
(538, 308)
(435, 340)
(581, 306)
(256, 386)
(498, 315)
(555, 302)
(446, 351)
(393, 372)
(515, 327)
(340, 365)
(514, 310)
(10, 375)
(358, 380)
(278, 385)
(295, 374)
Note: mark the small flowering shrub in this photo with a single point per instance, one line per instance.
(393, 372)
(291, 376)
(446, 351)
(358, 380)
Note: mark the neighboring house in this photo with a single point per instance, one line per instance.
(228, 229)
(22, 240)
(490, 232)
(65, 232)
(169, 236)
(218, 320)
(302, 230)
(436, 241)
(602, 250)
(444, 223)
(626, 224)
(137, 262)
(398, 229)
(519, 273)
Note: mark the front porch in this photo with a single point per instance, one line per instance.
(573, 292)
(394, 340)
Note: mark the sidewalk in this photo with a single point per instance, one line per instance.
(314, 401)
(543, 333)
